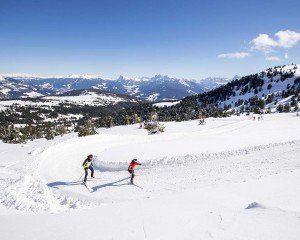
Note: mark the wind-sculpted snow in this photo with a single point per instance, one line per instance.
(254, 205)
(30, 193)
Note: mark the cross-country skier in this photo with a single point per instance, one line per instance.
(88, 164)
(131, 167)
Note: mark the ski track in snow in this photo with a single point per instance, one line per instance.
(228, 177)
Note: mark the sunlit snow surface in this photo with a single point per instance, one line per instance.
(166, 104)
(233, 178)
(89, 98)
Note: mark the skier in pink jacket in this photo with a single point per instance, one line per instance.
(131, 167)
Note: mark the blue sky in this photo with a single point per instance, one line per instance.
(189, 39)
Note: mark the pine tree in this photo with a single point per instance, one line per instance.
(269, 86)
(279, 108)
(293, 101)
(287, 107)
(87, 129)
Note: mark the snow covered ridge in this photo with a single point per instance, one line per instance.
(276, 84)
(188, 159)
(262, 90)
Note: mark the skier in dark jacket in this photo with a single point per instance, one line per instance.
(88, 164)
(131, 167)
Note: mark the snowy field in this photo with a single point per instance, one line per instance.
(233, 178)
(88, 98)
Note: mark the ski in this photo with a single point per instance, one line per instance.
(136, 185)
(84, 184)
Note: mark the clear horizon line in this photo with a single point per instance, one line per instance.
(96, 76)
(93, 76)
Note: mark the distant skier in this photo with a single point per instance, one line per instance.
(88, 164)
(131, 167)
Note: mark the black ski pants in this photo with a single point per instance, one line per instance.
(86, 172)
(132, 175)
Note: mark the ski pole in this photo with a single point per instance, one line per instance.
(80, 177)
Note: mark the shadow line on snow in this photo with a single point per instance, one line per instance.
(111, 184)
(61, 183)
(94, 189)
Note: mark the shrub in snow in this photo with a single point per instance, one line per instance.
(87, 129)
(154, 127)
(61, 130)
(201, 118)
(49, 134)
(201, 121)
(13, 135)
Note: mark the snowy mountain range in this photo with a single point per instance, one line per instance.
(155, 88)
(14, 88)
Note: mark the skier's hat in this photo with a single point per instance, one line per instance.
(90, 156)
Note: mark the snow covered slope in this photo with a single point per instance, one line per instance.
(233, 178)
(275, 89)
(275, 84)
(68, 105)
(89, 97)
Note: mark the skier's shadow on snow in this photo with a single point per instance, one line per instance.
(94, 189)
(112, 184)
(56, 184)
